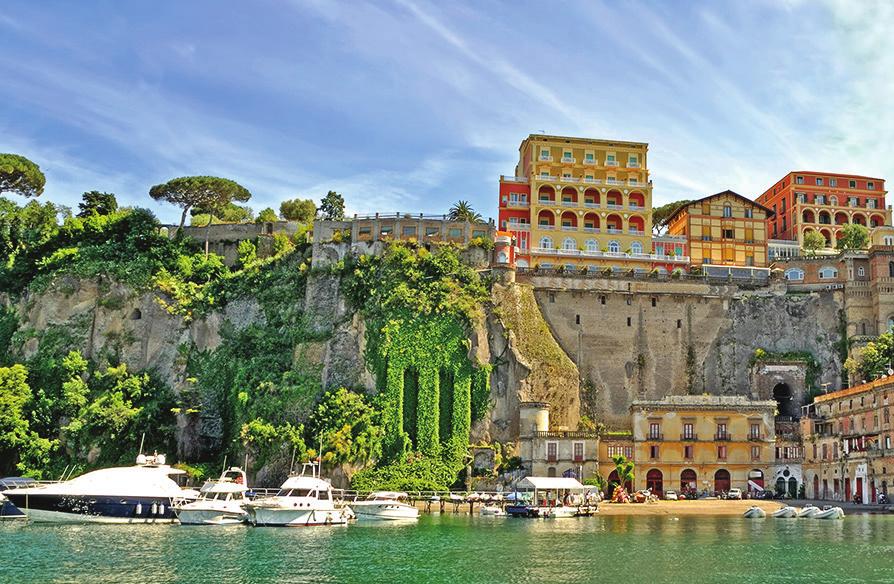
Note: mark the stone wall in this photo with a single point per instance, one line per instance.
(644, 340)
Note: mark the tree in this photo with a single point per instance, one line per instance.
(875, 359)
(332, 207)
(20, 176)
(97, 202)
(625, 469)
(812, 241)
(661, 215)
(300, 210)
(210, 193)
(17, 440)
(350, 429)
(267, 215)
(463, 211)
(853, 236)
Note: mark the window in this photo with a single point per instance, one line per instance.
(552, 451)
(654, 431)
(891, 269)
(819, 182)
(861, 271)
(721, 431)
(602, 300)
(828, 273)
(833, 200)
(688, 431)
(654, 302)
(870, 185)
(687, 452)
(653, 452)
(576, 319)
(721, 452)
(799, 180)
(852, 184)
(749, 212)
(589, 157)
(544, 174)
(578, 452)
(727, 211)
(592, 245)
(546, 242)
(755, 431)
(409, 231)
(755, 453)
(629, 321)
(833, 182)
(729, 233)
(569, 244)
(679, 323)
(544, 153)
(610, 158)
(614, 246)
(552, 295)
(632, 160)
(636, 247)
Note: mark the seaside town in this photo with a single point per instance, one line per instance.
(559, 289)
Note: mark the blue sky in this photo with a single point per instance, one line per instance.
(410, 105)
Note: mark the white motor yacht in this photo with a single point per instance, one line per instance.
(220, 501)
(143, 493)
(302, 500)
(385, 505)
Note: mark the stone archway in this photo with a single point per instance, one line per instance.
(782, 395)
(783, 382)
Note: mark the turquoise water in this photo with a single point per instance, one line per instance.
(617, 550)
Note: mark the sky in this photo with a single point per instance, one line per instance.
(409, 105)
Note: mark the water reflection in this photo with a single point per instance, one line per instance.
(461, 549)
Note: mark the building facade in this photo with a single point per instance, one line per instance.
(723, 229)
(703, 443)
(847, 437)
(550, 453)
(581, 203)
(804, 201)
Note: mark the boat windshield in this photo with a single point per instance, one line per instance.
(297, 493)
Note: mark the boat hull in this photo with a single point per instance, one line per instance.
(9, 511)
(211, 516)
(385, 512)
(809, 512)
(833, 513)
(755, 513)
(88, 509)
(785, 513)
(286, 517)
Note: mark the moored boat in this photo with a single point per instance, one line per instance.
(143, 493)
(755, 513)
(220, 501)
(809, 511)
(786, 512)
(492, 511)
(303, 500)
(386, 505)
(830, 513)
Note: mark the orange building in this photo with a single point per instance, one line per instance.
(723, 229)
(804, 201)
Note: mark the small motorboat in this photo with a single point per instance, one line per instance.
(755, 513)
(385, 505)
(303, 500)
(809, 511)
(9, 511)
(220, 501)
(830, 513)
(492, 511)
(787, 512)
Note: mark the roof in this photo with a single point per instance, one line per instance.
(603, 141)
(552, 483)
(727, 192)
(855, 390)
(840, 174)
(702, 402)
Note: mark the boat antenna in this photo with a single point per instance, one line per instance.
(320, 456)
(62, 476)
(142, 440)
(224, 469)
(292, 464)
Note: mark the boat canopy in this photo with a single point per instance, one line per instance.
(389, 495)
(552, 484)
(223, 487)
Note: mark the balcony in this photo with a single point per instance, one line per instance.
(632, 182)
(569, 203)
(724, 437)
(634, 231)
(591, 205)
(546, 226)
(545, 158)
(547, 177)
(569, 228)
(655, 437)
(516, 179)
(614, 231)
(591, 230)
(569, 179)
(544, 250)
(590, 161)
(519, 226)
(593, 181)
(520, 204)
(568, 160)
(614, 206)
(689, 437)
(632, 164)
(613, 181)
(611, 163)
(756, 437)
(636, 207)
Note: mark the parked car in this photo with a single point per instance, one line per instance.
(670, 495)
(734, 494)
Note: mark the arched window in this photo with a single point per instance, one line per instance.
(827, 273)
(502, 258)
(727, 211)
(592, 245)
(891, 269)
(546, 242)
(833, 200)
(614, 246)
(794, 274)
(522, 263)
(636, 247)
(890, 323)
(569, 244)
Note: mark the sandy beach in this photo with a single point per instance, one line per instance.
(713, 507)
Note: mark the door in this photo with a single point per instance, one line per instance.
(858, 496)
(721, 481)
(655, 481)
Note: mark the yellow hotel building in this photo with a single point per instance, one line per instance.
(723, 229)
(591, 202)
(703, 442)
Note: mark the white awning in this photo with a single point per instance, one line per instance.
(552, 483)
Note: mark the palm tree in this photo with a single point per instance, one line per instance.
(463, 211)
(624, 468)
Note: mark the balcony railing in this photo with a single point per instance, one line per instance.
(565, 434)
(569, 228)
(546, 158)
(591, 205)
(518, 204)
(568, 160)
(689, 437)
(613, 181)
(756, 437)
(593, 181)
(548, 177)
(546, 227)
(725, 437)
(614, 206)
(632, 182)
(655, 437)
(569, 179)
(519, 226)
(590, 161)
(615, 231)
(591, 230)
(636, 231)
(631, 164)
(611, 163)
(569, 203)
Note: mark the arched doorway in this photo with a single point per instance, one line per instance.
(613, 480)
(721, 480)
(551, 471)
(780, 486)
(688, 481)
(782, 394)
(816, 490)
(655, 481)
(793, 488)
